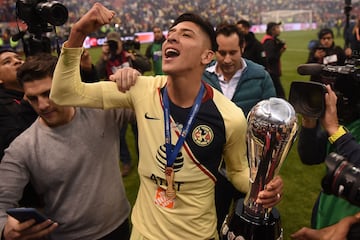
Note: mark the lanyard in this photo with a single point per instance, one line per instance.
(171, 152)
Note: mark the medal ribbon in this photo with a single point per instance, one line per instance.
(171, 152)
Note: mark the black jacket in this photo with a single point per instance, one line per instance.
(338, 51)
(273, 48)
(254, 50)
(312, 146)
(16, 115)
(333, 50)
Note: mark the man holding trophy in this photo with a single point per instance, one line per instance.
(277, 136)
(191, 207)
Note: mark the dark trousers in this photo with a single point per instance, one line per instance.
(120, 233)
(225, 194)
(280, 93)
(125, 156)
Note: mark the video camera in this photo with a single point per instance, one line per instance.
(39, 15)
(131, 45)
(308, 98)
(342, 178)
(279, 43)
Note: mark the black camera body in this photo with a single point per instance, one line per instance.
(308, 97)
(279, 43)
(131, 45)
(113, 48)
(342, 178)
(39, 15)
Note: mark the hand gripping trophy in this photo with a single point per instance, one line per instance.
(272, 129)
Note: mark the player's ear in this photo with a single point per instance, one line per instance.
(207, 56)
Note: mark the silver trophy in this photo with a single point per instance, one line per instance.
(272, 129)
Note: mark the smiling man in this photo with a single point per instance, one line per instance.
(76, 171)
(185, 128)
(243, 82)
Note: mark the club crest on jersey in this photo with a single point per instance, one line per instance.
(202, 135)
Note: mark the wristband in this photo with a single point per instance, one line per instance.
(340, 132)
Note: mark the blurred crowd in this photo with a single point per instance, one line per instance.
(140, 16)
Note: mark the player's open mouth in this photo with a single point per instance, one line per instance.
(171, 52)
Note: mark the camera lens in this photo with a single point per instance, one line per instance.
(311, 101)
(342, 179)
(53, 12)
(113, 46)
(307, 98)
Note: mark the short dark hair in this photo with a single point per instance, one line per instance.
(36, 67)
(228, 29)
(4, 50)
(244, 23)
(325, 31)
(204, 25)
(270, 26)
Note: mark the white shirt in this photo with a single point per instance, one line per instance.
(228, 87)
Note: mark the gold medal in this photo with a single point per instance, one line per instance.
(169, 175)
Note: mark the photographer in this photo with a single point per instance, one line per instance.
(326, 52)
(314, 145)
(114, 57)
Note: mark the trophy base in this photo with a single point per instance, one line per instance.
(238, 227)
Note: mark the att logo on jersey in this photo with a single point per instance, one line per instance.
(161, 159)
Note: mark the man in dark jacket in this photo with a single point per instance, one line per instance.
(243, 82)
(16, 114)
(253, 50)
(317, 138)
(326, 52)
(274, 48)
